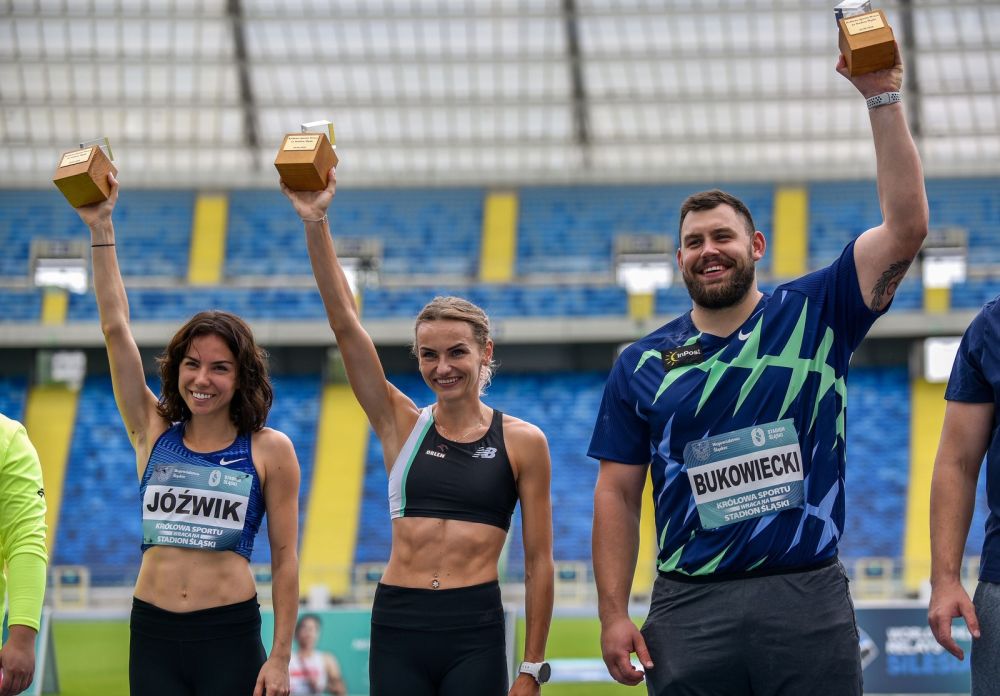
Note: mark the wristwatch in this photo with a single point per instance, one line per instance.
(541, 671)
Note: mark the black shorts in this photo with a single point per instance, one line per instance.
(438, 642)
(209, 652)
(784, 634)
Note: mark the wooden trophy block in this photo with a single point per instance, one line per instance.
(304, 161)
(82, 176)
(867, 43)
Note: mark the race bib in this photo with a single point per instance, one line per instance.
(198, 507)
(745, 474)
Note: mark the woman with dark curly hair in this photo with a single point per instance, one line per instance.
(208, 470)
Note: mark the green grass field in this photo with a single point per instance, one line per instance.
(92, 657)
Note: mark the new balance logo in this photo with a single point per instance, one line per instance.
(485, 452)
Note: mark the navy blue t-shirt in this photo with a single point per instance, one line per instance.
(975, 378)
(781, 375)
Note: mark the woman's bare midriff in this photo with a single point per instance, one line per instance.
(432, 553)
(181, 580)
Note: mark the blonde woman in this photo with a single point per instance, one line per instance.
(456, 470)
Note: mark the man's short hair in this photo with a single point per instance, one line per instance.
(709, 200)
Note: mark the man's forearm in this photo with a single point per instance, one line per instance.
(899, 172)
(615, 550)
(953, 497)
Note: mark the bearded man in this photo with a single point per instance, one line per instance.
(737, 408)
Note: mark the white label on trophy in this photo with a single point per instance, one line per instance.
(308, 141)
(863, 23)
(76, 157)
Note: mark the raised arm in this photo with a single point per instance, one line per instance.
(379, 399)
(617, 505)
(884, 253)
(964, 439)
(281, 500)
(533, 488)
(136, 403)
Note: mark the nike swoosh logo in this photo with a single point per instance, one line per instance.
(744, 336)
(223, 462)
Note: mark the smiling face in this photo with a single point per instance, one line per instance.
(207, 376)
(450, 360)
(717, 256)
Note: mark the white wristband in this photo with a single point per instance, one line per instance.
(883, 99)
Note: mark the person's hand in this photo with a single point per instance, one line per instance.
(312, 205)
(273, 679)
(619, 639)
(873, 83)
(950, 601)
(525, 685)
(17, 661)
(97, 213)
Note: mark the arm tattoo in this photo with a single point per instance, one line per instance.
(886, 286)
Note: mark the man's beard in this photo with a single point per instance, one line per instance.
(722, 295)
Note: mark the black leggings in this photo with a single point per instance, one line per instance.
(210, 652)
(438, 642)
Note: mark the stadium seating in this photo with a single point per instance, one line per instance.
(423, 231)
(974, 205)
(153, 229)
(571, 229)
(839, 211)
(878, 461)
(20, 304)
(503, 301)
(100, 525)
(12, 394)
(295, 413)
(973, 294)
(179, 304)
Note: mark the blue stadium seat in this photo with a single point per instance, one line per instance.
(878, 461)
(180, 304)
(20, 304)
(973, 294)
(839, 211)
(972, 204)
(13, 391)
(295, 413)
(423, 231)
(100, 524)
(571, 229)
(842, 210)
(503, 301)
(153, 229)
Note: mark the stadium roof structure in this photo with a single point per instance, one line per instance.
(484, 92)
